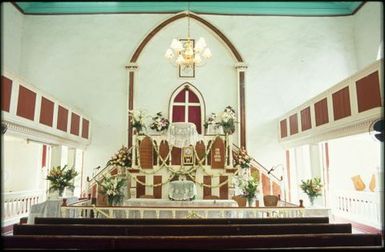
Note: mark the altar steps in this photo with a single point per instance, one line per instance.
(180, 230)
(165, 221)
(269, 233)
(297, 241)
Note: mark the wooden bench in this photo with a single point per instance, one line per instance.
(193, 242)
(47, 220)
(180, 230)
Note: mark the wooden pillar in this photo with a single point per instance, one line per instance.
(132, 67)
(241, 68)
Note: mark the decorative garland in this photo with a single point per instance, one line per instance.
(175, 173)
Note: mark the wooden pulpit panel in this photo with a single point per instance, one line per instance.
(140, 189)
(265, 185)
(218, 154)
(206, 190)
(157, 191)
(200, 149)
(146, 152)
(276, 189)
(223, 190)
(176, 156)
(163, 150)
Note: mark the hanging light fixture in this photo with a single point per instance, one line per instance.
(184, 53)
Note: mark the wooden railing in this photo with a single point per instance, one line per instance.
(18, 204)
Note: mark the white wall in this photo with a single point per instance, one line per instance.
(355, 155)
(11, 37)
(368, 32)
(21, 165)
(81, 60)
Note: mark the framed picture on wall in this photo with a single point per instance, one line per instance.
(187, 72)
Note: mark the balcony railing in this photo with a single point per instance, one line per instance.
(362, 207)
(18, 204)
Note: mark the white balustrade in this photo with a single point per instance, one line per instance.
(188, 212)
(18, 204)
(362, 207)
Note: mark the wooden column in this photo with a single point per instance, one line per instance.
(132, 67)
(241, 68)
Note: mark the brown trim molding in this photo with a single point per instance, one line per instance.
(130, 106)
(242, 108)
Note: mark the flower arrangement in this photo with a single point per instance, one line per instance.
(243, 158)
(226, 119)
(121, 158)
(112, 187)
(211, 120)
(137, 120)
(312, 187)
(246, 185)
(159, 123)
(61, 178)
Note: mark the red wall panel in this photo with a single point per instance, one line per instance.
(194, 116)
(368, 92)
(283, 125)
(192, 97)
(305, 119)
(180, 97)
(6, 91)
(85, 128)
(178, 114)
(341, 103)
(75, 121)
(62, 119)
(46, 111)
(293, 120)
(321, 112)
(26, 103)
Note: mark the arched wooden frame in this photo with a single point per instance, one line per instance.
(192, 88)
(227, 42)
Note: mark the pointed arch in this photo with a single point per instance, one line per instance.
(132, 66)
(168, 21)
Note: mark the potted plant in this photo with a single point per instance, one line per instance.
(137, 120)
(312, 187)
(246, 185)
(112, 187)
(61, 178)
(228, 120)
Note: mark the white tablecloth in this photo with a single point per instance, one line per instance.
(181, 134)
(49, 208)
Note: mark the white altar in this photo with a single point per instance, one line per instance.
(182, 190)
(161, 208)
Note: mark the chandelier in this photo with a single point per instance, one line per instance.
(186, 53)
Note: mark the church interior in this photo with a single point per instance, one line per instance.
(192, 125)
